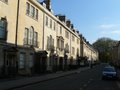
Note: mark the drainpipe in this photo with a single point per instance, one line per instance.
(16, 35)
(70, 44)
(43, 30)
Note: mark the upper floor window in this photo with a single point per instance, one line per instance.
(5, 1)
(36, 14)
(60, 43)
(35, 38)
(50, 43)
(73, 50)
(50, 23)
(67, 34)
(26, 35)
(27, 8)
(46, 21)
(60, 30)
(30, 37)
(31, 11)
(3, 28)
(73, 38)
(31, 33)
(77, 41)
(67, 48)
(54, 25)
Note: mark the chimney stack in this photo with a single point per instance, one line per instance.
(78, 32)
(74, 30)
(62, 17)
(72, 26)
(48, 4)
(68, 23)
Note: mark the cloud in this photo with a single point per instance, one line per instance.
(108, 26)
(115, 32)
(111, 32)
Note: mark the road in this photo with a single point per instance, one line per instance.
(86, 80)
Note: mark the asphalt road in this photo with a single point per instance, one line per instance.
(86, 80)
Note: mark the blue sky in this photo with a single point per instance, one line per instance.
(93, 18)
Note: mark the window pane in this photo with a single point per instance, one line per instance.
(31, 61)
(26, 33)
(73, 38)
(50, 40)
(50, 23)
(6, 1)
(67, 34)
(54, 25)
(36, 14)
(22, 61)
(32, 11)
(3, 28)
(46, 21)
(60, 30)
(1, 24)
(27, 8)
(26, 36)
(31, 33)
(73, 50)
(35, 38)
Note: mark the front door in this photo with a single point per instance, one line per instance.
(10, 64)
(61, 63)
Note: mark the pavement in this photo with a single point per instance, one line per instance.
(12, 84)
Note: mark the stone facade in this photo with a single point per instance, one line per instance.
(35, 40)
(115, 53)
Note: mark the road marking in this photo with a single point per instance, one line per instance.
(85, 85)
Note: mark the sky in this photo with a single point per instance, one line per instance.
(93, 18)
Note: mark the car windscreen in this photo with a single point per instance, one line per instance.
(109, 69)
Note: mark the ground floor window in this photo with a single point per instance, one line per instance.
(31, 61)
(22, 61)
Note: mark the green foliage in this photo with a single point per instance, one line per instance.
(104, 46)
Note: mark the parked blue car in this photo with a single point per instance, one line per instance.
(109, 72)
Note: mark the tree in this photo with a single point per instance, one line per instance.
(104, 46)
